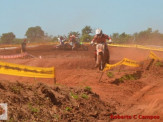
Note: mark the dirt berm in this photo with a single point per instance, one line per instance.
(42, 103)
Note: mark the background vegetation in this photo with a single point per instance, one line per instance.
(37, 35)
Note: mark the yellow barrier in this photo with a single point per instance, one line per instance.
(28, 71)
(125, 61)
(152, 55)
(116, 45)
(137, 46)
(129, 62)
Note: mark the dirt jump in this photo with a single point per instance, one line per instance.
(122, 94)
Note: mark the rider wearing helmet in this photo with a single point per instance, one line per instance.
(61, 40)
(72, 38)
(73, 41)
(101, 38)
(23, 45)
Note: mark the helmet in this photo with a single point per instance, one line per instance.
(98, 31)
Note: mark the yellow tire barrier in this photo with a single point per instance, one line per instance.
(131, 63)
(27, 71)
(125, 61)
(137, 46)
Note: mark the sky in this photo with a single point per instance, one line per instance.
(59, 17)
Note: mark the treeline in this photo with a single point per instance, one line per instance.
(36, 34)
(147, 37)
(33, 34)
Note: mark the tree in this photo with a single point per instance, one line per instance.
(124, 38)
(7, 38)
(86, 38)
(77, 34)
(34, 33)
(55, 38)
(86, 30)
(145, 35)
(115, 37)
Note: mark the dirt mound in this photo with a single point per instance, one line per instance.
(42, 103)
(132, 91)
(142, 89)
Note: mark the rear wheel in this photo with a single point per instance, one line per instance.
(67, 47)
(84, 48)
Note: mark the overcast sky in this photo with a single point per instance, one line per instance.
(62, 16)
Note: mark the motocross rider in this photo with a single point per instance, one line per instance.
(23, 45)
(101, 38)
(73, 41)
(61, 41)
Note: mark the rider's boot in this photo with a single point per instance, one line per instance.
(97, 64)
(108, 56)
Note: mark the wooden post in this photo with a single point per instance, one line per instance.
(101, 76)
(54, 77)
(119, 69)
(21, 50)
(150, 64)
(54, 80)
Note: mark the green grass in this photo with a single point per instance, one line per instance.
(75, 96)
(11, 120)
(110, 74)
(16, 89)
(68, 109)
(88, 88)
(128, 77)
(33, 109)
(84, 96)
(159, 64)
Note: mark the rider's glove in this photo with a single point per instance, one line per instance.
(110, 41)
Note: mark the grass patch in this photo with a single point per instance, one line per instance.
(75, 96)
(159, 64)
(133, 76)
(128, 77)
(11, 120)
(87, 88)
(84, 96)
(33, 109)
(68, 109)
(16, 89)
(110, 74)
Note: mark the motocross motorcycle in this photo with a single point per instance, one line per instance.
(65, 47)
(78, 46)
(59, 47)
(101, 55)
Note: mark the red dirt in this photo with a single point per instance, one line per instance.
(143, 96)
(42, 103)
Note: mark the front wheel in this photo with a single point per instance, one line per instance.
(100, 61)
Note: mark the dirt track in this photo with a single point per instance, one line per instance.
(143, 96)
